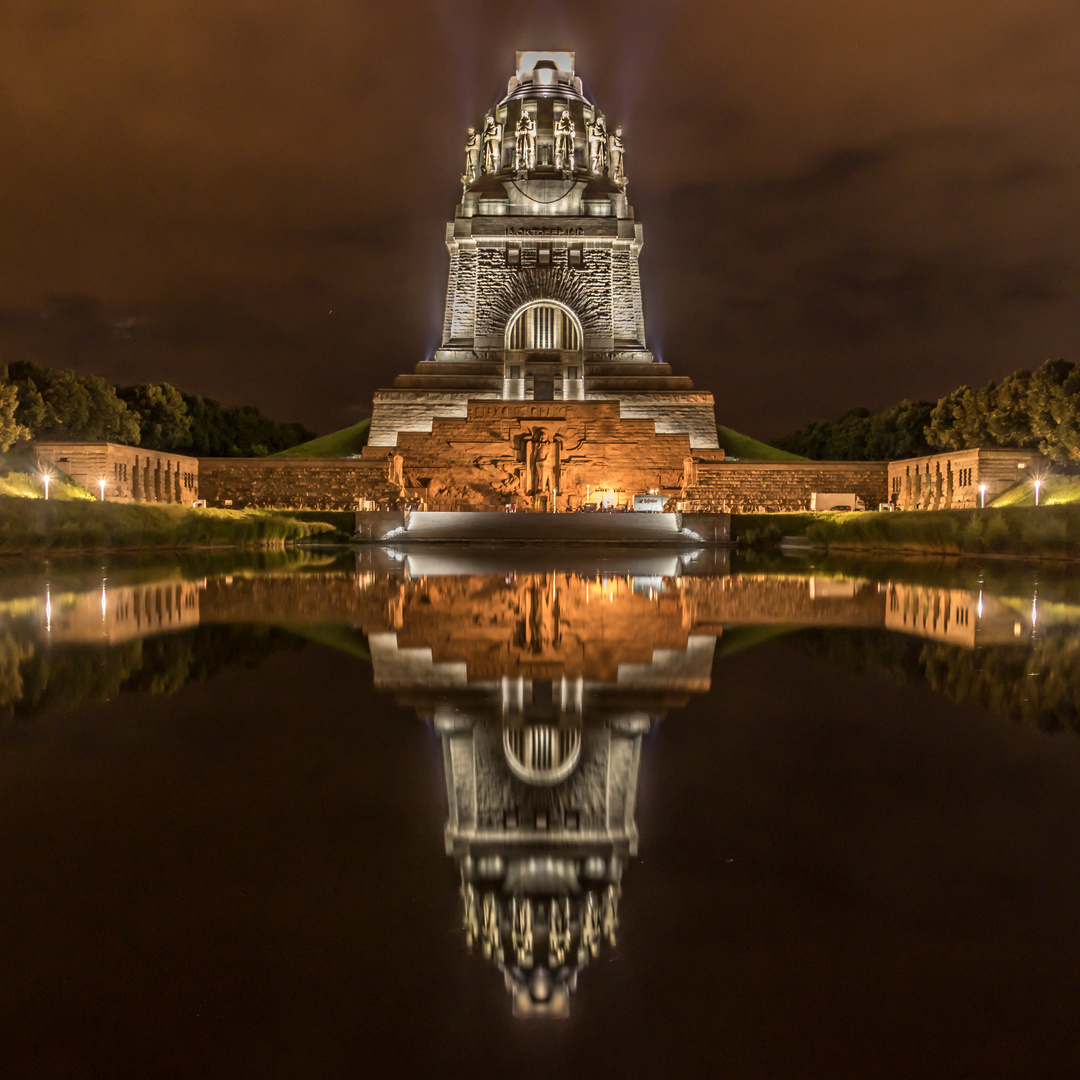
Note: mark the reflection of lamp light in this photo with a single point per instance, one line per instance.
(101, 487)
(982, 492)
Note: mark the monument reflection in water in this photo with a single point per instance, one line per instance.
(541, 681)
(541, 687)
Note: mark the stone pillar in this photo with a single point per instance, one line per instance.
(136, 487)
(179, 495)
(157, 480)
(148, 482)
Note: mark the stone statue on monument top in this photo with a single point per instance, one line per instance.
(615, 157)
(472, 157)
(525, 149)
(493, 133)
(564, 142)
(598, 139)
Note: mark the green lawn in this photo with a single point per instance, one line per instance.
(338, 444)
(745, 448)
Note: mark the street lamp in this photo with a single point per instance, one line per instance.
(982, 492)
(46, 476)
(1038, 484)
(101, 487)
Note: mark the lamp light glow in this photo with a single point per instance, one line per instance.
(1038, 485)
(46, 476)
(101, 487)
(982, 492)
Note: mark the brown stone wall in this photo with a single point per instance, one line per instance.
(290, 483)
(490, 458)
(951, 480)
(749, 487)
(131, 474)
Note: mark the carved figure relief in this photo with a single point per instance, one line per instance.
(492, 145)
(689, 474)
(472, 157)
(598, 140)
(525, 150)
(542, 462)
(615, 157)
(564, 142)
(395, 472)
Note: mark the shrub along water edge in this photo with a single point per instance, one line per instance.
(28, 525)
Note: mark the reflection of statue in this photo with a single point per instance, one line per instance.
(542, 463)
(598, 138)
(689, 472)
(396, 470)
(472, 157)
(564, 142)
(525, 150)
(492, 145)
(615, 157)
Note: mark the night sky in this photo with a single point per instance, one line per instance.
(845, 202)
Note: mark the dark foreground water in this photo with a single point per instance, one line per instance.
(778, 820)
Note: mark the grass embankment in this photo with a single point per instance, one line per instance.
(32, 525)
(1044, 532)
(338, 444)
(1055, 491)
(744, 448)
(20, 478)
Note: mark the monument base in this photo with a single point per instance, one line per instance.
(447, 526)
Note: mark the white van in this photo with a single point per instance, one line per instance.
(822, 501)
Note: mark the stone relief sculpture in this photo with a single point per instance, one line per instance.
(689, 474)
(395, 472)
(525, 150)
(615, 157)
(472, 157)
(564, 142)
(598, 140)
(542, 463)
(493, 133)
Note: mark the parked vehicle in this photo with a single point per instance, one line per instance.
(832, 501)
(650, 504)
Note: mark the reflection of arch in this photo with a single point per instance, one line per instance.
(542, 753)
(544, 324)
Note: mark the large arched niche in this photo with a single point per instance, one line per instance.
(544, 325)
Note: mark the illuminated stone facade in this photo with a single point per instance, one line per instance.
(130, 473)
(960, 479)
(543, 297)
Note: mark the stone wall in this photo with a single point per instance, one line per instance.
(290, 483)
(131, 474)
(672, 412)
(953, 479)
(768, 487)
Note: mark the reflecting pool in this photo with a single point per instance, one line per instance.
(486, 810)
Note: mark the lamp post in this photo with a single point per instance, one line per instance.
(1038, 484)
(46, 477)
(101, 487)
(982, 492)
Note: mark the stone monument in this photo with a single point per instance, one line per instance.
(544, 317)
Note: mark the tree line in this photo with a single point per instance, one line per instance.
(1037, 410)
(37, 402)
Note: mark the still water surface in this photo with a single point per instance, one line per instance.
(469, 811)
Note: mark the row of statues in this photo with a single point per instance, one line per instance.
(483, 150)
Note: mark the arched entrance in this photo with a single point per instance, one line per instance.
(544, 353)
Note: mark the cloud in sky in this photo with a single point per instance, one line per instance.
(843, 203)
